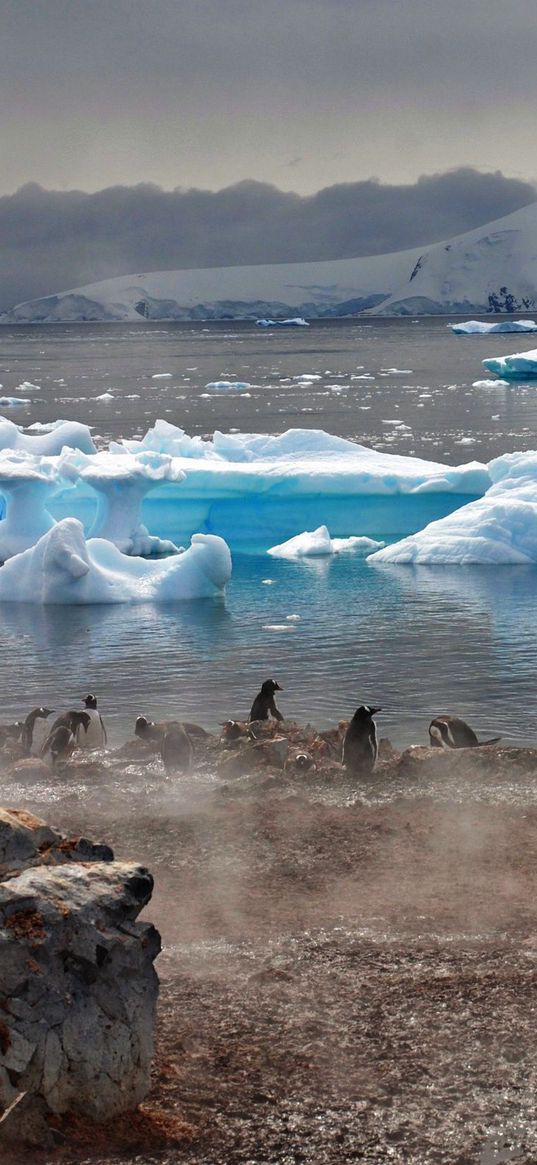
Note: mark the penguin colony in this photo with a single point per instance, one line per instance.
(55, 741)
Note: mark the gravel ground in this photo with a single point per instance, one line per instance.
(349, 973)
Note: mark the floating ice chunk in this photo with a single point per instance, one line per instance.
(306, 377)
(13, 402)
(476, 328)
(161, 376)
(64, 568)
(27, 483)
(65, 433)
(278, 627)
(228, 386)
(518, 366)
(490, 384)
(318, 543)
(297, 322)
(105, 396)
(292, 618)
(500, 527)
(121, 483)
(27, 386)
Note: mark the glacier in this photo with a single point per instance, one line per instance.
(491, 269)
(477, 328)
(518, 366)
(65, 568)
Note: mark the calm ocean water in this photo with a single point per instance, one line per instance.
(416, 641)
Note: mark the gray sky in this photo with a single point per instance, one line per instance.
(299, 93)
(180, 133)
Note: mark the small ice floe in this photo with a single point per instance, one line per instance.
(161, 376)
(13, 402)
(465, 441)
(292, 618)
(490, 384)
(267, 582)
(297, 322)
(105, 396)
(228, 386)
(305, 377)
(318, 543)
(397, 371)
(27, 386)
(517, 366)
(477, 328)
(281, 627)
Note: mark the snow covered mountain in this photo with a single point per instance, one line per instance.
(491, 269)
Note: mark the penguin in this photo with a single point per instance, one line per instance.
(176, 749)
(35, 730)
(59, 744)
(264, 705)
(95, 736)
(73, 721)
(149, 731)
(451, 732)
(360, 748)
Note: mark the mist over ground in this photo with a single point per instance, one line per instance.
(53, 240)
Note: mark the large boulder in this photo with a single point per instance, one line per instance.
(77, 984)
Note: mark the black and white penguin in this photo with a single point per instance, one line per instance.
(95, 736)
(263, 705)
(176, 749)
(360, 748)
(149, 731)
(35, 730)
(74, 721)
(451, 732)
(59, 744)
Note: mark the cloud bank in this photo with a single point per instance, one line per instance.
(55, 240)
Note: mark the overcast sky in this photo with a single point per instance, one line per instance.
(300, 94)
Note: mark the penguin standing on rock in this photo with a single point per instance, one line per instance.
(35, 730)
(95, 735)
(360, 748)
(451, 732)
(264, 705)
(176, 749)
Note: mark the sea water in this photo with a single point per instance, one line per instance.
(334, 633)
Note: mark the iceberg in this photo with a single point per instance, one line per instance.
(476, 328)
(497, 529)
(228, 386)
(121, 484)
(318, 543)
(63, 568)
(297, 322)
(27, 483)
(49, 444)
(518, 366)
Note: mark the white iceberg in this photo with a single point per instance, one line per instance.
(476, 328)
(518, 366)
(27, 484)
(318, 544)
(499, 528)
(121, 484)
(64, 568)
(65, 433)
(13, 402)
(228, 386)
(296, 322)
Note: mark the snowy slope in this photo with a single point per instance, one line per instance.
(491, 269)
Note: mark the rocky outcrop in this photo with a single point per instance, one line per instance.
(77, 984)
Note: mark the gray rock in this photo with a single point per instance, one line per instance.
(77, 984)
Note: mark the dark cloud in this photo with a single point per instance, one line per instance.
(54, 240)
